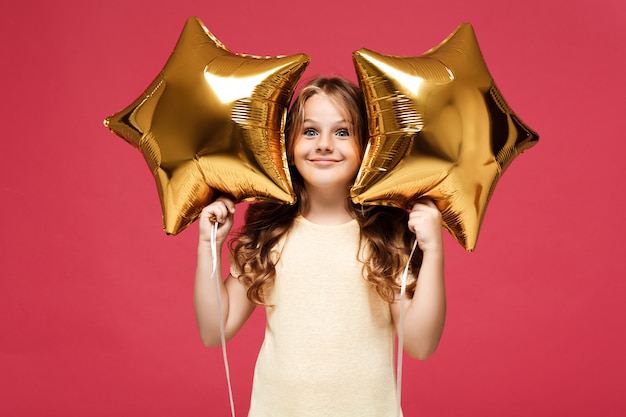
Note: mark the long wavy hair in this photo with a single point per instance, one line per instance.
(385, 238)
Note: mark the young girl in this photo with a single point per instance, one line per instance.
(327, 272)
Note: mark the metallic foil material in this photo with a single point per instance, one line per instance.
(212, 123)
(438, 128)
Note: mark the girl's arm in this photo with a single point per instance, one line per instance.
(425, 313)
(236, 308)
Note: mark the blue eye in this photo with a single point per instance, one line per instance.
(309, 132)
(343, 133)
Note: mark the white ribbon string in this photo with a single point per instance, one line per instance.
(401, 330)
(221, 315)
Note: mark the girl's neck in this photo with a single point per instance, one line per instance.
(327, 209)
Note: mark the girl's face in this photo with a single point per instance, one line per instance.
(326, 152)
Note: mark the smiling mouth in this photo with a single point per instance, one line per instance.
(324, 162)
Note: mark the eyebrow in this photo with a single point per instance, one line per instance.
(337, 122)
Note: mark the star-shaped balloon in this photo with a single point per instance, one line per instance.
(212, 123)
(438, 128)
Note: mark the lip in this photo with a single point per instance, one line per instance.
(324, 161)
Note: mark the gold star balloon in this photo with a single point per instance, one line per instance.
(438, 128)
(212, 123)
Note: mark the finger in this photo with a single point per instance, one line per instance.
(215, 213)
(228, 203)
(211, 215)
(222, 213)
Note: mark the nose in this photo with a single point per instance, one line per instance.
(324, 143)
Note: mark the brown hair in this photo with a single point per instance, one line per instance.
(384, 232)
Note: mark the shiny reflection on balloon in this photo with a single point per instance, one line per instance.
(438, 128)
(212, 123)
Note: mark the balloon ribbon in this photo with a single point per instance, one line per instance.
(221, 315)
(401, 330)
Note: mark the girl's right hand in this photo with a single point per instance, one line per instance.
(221, 210)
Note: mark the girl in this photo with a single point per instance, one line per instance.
(327, 272)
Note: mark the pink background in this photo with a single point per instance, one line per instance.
(96, 315)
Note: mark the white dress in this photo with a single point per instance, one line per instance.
(329, 340)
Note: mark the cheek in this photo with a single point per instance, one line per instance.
(299, 153)
(356, 152)
(297, 149)
(353, 154)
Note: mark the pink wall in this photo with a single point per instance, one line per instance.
(96, 315)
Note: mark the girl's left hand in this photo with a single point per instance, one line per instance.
(425, 222)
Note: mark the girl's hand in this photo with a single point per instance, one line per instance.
(220, 211)
(425, 222)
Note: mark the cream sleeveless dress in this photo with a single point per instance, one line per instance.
(329, 339)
